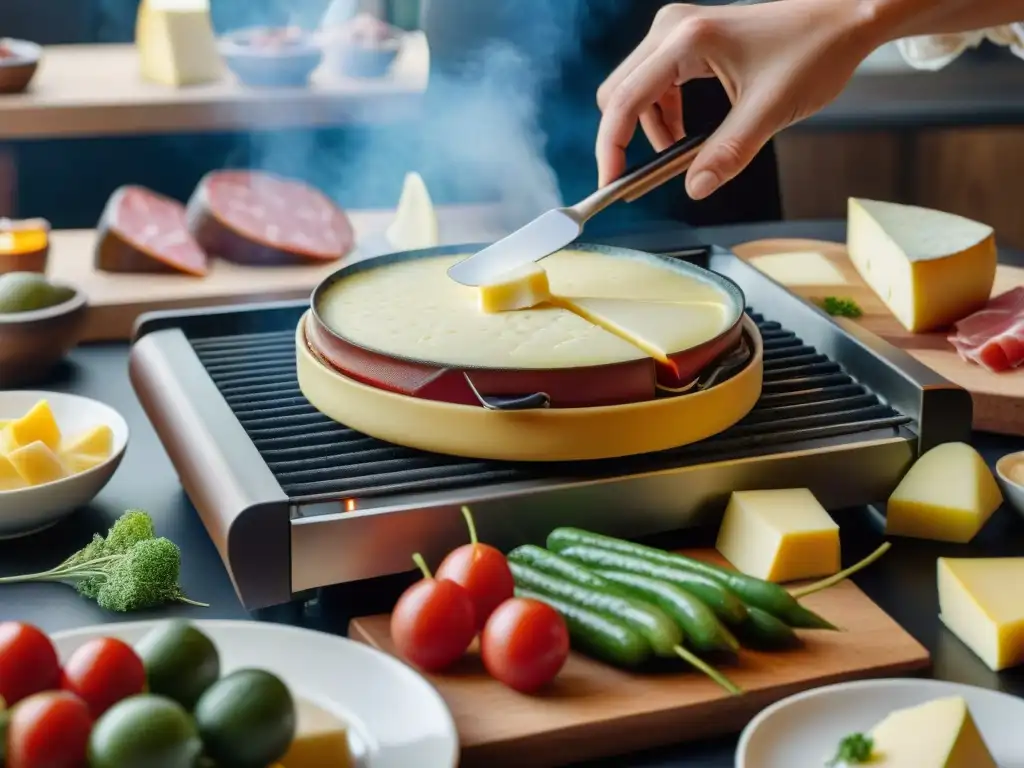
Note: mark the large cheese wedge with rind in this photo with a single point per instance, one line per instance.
(947, 495)
(779, 535)
(938, 734)
(929, 267)
(176, 42)
(321, 740)
(979, 602)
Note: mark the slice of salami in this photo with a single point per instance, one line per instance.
(143, 231)
(993, 337)
(253, 217)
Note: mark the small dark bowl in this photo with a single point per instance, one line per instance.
(17, 71)
(33, 343)
(287, 66)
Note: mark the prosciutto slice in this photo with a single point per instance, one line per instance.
(993, 337)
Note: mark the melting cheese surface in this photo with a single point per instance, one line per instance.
(413, 309)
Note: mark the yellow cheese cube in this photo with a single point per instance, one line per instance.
(38, 424)
(36, 463)
(176, 42)
(321, 740)
(930, 268)
(937, 734)
(948, 495)
(779, 535)
(979, 602)
(9, 477)
(98, 441)
(519, 289)
(80, 462)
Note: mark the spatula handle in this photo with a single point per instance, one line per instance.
(639, 180)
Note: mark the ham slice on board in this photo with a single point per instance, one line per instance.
(251, 217)
(143, 231)
(993, 337)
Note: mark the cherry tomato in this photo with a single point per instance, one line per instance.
(524, 644)
(28, 662)
(482, 570)
(102, 672)
(433, 622)
(48, 730)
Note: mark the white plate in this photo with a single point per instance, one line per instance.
(28, 510)
(396, 718)
(804, 730)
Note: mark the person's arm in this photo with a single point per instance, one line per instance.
(780, 62)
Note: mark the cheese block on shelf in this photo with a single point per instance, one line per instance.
(947, 495)
(521, 288)
(979, 602)
(937, 734)
(930, 268)
(779, 535)
(176, 42)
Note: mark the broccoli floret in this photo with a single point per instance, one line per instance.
(128, 570)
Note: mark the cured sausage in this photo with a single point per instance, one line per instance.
(252, 217)
(993, 337)
(143, 231)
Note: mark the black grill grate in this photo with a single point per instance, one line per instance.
(805, 396)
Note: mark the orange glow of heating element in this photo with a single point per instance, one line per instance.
(350, 505)
(23, 236)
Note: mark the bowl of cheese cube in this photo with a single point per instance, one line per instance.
(57, 451)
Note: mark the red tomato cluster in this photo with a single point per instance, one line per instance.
(523, 643)
(52, 709)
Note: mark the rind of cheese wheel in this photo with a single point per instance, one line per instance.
(521, 288)
(937, 734)
(929, 267)
(176, 42)
(321, 740)
(979, 602)
(38, 424)
(947, 495)
(37, 463)
(428, 316)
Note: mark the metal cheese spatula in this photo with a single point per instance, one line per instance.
(555, 229)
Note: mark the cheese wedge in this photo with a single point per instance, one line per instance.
(415, 225)
(779, 535)
(947, 495)
(98, 441)
(176, 43)
(930, 268)
(38, 424)
(9, 477)
(979, 602)
(938, 734)
(321, 740)
(519, 289)
(81, 462)
(37, 464)
(658, 328)
(799, 269)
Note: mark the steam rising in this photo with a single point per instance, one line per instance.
(479, 140)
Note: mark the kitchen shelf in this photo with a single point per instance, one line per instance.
(96, 90)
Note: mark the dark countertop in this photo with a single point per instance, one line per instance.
(903, 582)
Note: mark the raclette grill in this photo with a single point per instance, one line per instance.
(294, 501)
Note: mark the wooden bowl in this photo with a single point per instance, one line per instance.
(33, 343)
(17, 71)
(27, 261)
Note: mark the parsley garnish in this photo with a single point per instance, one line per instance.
(841, 307)
(854, 749)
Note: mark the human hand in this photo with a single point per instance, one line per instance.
(779, 63)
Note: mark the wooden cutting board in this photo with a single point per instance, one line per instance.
(594, 710)
(998, 397)
(116, 300)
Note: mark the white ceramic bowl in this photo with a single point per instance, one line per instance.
(28, 510)
(1013, 491)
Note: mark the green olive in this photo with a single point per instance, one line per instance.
(144, 731)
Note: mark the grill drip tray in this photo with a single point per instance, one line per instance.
(295, 501)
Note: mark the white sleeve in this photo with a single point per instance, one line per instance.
(933, 52)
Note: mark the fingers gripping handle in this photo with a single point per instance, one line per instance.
(639, 180)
